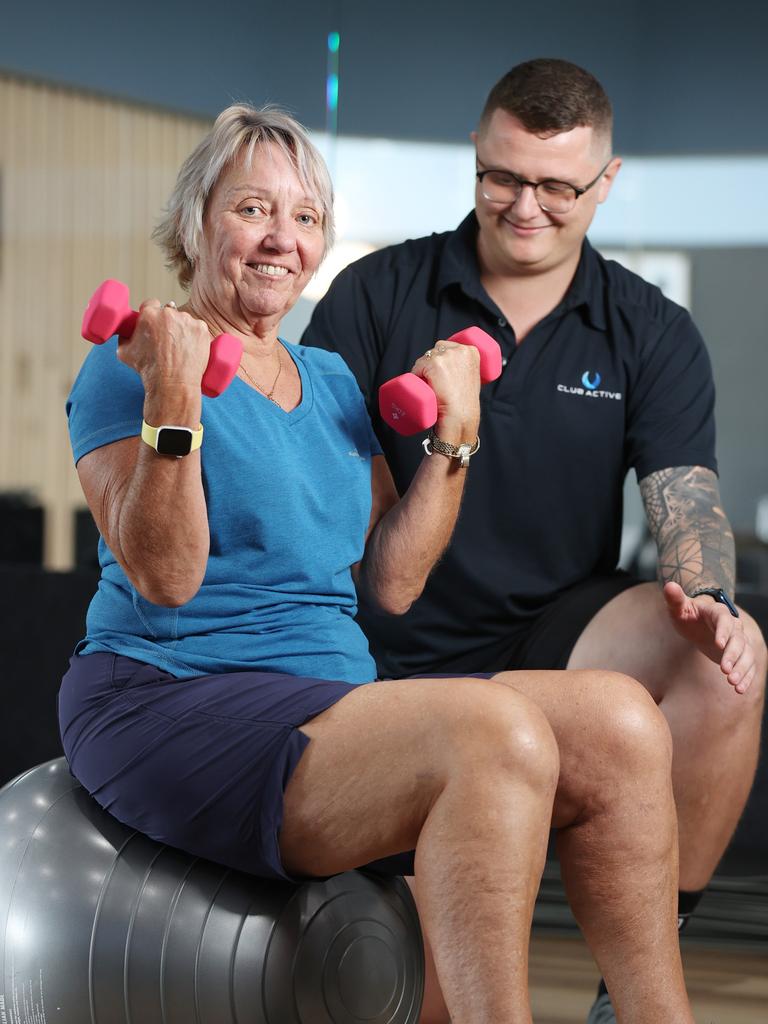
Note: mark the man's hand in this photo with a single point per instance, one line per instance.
(710, 626)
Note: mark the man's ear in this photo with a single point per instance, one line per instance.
(604, 187)
(473, 136)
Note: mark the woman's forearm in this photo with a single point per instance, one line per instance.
(150, 508)
(409, 539)
(163, 523)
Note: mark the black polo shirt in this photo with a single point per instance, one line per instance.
(615, 377)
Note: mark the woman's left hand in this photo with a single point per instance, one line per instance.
(452, 371)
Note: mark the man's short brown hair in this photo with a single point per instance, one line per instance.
(549, 96)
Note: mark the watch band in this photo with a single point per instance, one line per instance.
(719, 595)
(168, 439)
(464, 452)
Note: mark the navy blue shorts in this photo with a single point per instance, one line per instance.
(201, 764)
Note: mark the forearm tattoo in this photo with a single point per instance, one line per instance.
(691, 531)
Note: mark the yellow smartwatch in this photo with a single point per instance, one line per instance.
(171, 440)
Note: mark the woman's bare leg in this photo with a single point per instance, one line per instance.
(464, 771)
(616, 840)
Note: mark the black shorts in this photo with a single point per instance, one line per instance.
(546, 640)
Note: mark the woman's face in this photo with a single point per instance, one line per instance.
(262, 239)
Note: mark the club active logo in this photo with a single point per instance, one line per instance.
(590, 387)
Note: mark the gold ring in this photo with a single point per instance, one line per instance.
(170, 305)
(428, 354)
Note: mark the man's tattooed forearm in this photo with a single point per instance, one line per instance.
(689, 526)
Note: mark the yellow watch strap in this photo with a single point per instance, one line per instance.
(150, 434)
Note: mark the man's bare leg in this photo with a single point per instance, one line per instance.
(715, 731)
(464, 771)
(617, 836)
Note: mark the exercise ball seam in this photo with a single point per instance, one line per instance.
(208, 912)
(129, 933)
(96, 917)
(166, 930)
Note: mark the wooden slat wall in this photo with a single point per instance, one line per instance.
(83, 180)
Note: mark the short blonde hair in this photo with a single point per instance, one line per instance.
(238, 128)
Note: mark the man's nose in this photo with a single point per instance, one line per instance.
(526, 205)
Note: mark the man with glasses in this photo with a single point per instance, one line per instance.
(601, 373)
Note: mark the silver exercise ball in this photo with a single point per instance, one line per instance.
(100, 924)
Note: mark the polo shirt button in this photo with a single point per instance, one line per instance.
(503, 360)
(502, 322)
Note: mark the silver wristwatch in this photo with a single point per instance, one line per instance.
(464, 452)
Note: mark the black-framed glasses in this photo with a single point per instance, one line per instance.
(553, 196)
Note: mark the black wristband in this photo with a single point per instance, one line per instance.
(719, 595)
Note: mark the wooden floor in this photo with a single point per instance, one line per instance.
(726, 986)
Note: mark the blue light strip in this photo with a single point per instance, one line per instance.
(332, 85)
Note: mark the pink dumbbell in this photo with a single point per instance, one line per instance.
(109, 312)
(408, 403)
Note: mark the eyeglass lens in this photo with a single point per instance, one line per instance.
(555, 196)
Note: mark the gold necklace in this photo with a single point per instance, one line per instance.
(270, 393)
(267, 394)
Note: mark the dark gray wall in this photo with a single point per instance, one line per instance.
(729, 301)
(685, 77)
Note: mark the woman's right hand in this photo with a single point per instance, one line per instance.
(169, 349)
(149, 508)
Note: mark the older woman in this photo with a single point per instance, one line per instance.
(216, 701)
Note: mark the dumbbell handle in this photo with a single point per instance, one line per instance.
(124, 329)
(409, 405)
(109, 312)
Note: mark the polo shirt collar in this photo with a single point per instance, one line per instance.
(588, 288)
(459, 266)
(458, 263)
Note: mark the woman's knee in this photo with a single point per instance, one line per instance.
(489, 728)
(619, 750)
(628, 728)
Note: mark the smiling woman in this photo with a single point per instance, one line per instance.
(262, 242)
(246, 228)
(238, 132)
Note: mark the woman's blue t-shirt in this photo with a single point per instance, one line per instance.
(288, 497)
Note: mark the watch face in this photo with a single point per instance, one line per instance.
(174, 441)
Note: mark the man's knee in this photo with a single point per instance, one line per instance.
(713, 700)
(754, 635)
